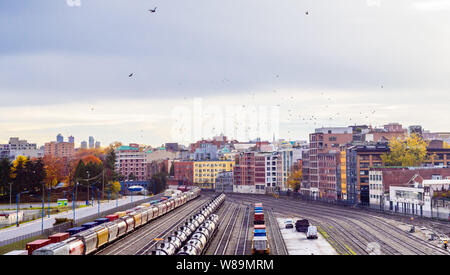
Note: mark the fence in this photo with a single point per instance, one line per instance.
(24, 239)
(102, 214)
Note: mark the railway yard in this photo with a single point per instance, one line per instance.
(348, 231)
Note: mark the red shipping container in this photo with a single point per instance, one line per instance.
(59, 237)
(36, 244)
(112, 217)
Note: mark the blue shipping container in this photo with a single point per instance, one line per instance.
(89, 225)
(258, 208)
(101, 220)
(259, 232)
(75, 230)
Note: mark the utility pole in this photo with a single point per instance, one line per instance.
(87, 200)
(43, 212)
(49, 198)
(103, 182)
(10, 193)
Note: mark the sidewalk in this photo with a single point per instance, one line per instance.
(36, 225)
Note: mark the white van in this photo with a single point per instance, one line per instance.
(312, 232)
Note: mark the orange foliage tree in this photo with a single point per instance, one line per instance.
(56, 170)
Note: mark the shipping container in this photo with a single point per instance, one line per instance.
(259, 232)
(260, 226)
(59, 237)
(260, 245)
(32, 246)
(89, 225)
(259, 218)
(75, 230)
(112, 217)
(101, 220)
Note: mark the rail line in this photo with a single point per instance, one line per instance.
(131, 241)
(242, 240)
(223, 243)
(275, 234)
(358, 225)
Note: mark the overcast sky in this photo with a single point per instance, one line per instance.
(64, 68)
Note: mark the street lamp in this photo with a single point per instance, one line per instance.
(87, 180)
(49, 199)
(17, 200)
(10, 194)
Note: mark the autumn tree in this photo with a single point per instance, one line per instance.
(114, 187)
(411, 152)
(18, 174)
(295, 179)
(56, 170)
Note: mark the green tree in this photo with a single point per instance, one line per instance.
(35, 173)
(158, 182)
(131, 176)
(80, 171)
(5, 175)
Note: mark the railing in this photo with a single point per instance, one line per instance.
(64, 226)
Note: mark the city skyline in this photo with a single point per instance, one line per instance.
(342, 63)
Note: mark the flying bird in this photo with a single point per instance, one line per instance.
(306, 12)
(130, 75)
(153, 10)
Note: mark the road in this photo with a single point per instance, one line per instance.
(34, 226)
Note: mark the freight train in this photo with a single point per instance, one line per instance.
(92, 236)
(194, 233)
(260, 241)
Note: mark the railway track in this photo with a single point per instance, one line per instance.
(134, 242)
(242, 243)
(275, 237)
(350, 232)
(224, 241)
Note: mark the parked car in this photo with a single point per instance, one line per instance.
(312, 232)
(289, 223)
